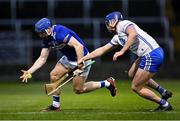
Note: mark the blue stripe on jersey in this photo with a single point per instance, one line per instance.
(143, 39)
(127, 27)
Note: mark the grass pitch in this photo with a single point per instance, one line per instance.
(23, 101)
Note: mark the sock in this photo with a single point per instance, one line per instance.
(56, 102)
(163, 103)
(104, 83)
(161, 90)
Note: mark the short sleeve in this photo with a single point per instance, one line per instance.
(114, 40)
(126, 26)
(63, 36)
(122, 27)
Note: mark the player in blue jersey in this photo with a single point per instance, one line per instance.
(151, 56)
(73, 48)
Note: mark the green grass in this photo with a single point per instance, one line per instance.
(23, 102)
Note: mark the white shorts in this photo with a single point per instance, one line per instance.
(72, 64)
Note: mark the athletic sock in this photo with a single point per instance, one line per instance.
(163, 103)
(56, 102)
(161, 90)
(104, 83)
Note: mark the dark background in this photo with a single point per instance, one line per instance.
(20, 46)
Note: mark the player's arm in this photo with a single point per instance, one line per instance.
(96, 53)
(40, 61)
(38, 64)
(77, 46)
(132, 34)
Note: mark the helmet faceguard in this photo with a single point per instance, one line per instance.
(112, 19)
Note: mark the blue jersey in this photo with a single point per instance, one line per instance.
(59, 40)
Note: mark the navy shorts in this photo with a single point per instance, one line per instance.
(152, 61)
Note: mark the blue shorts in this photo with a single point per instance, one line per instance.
(152, 61)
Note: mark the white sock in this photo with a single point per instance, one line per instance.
(107, 84)
(165, 105)
(104, 83)
(56, 101)
(56, 104)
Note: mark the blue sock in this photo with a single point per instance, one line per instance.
(102, 84)
(162, 102)
(56, 98)
(160, 89)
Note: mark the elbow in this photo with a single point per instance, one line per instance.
(80, 48)
(135, 35)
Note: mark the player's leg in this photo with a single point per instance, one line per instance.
(134, 68)
(149, 65)
(138, 85)
(151, 83)
(58, 71)
(80, 86)
(164, 92)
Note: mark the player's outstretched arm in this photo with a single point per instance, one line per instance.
(96, 53)
(27, 74)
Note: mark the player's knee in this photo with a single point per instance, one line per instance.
(134, 88)
(78, 90)
(53, 77)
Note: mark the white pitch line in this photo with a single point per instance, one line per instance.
(73, 112)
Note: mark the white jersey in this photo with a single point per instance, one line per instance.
(143, 44)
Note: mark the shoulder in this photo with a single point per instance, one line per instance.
(60, 32)
(122, 25)
(59, 28)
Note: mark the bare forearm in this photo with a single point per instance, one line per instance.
(38, 64)
(96, 53)
(79, 52)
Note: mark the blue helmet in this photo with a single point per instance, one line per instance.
(42, 25)
(112, 18)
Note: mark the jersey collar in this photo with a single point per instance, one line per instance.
(53, 34)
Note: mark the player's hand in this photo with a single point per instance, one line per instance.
(81, 63)
(25, 76)
(117, 54)
(77, 72)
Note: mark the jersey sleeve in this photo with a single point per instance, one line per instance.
(114, 40)
(124, 25)
(63, 36)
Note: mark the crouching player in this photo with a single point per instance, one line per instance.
(151, 56)
(73, 48)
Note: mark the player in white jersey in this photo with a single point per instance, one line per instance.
(150, 57)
